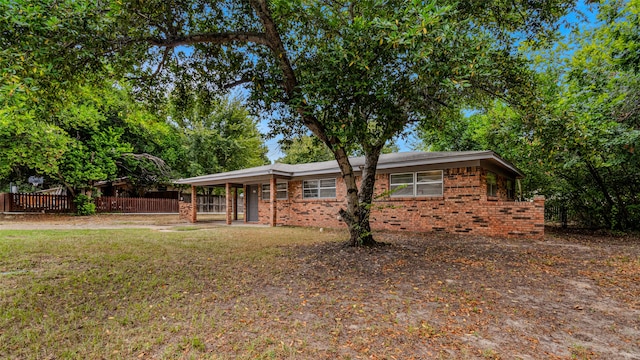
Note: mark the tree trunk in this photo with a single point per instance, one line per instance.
(357, 214)
(358, 207)
(605, 192)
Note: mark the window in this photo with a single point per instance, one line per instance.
(511, 193)
(320, 188)
(492, 184)
(425, 183)
(282, 192)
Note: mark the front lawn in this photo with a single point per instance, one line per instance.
(290, 293)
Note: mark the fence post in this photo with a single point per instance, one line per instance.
(4, 202)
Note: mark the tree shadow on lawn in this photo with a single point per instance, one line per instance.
(467, 297)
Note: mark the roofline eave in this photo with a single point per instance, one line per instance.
(223, 178)
(240, 176)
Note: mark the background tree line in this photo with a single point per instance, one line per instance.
(74, 124)
(101, 132)
(579, 144)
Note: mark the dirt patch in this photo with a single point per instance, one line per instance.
(468, 297)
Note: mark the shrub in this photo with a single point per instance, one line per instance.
(84, 205)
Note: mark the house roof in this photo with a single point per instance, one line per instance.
(386, 162)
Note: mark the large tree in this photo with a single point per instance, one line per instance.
(355, 74)
(99, 133)
(102, 133)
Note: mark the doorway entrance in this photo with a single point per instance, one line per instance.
(252, 203)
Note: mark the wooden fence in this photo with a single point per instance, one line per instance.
(37, 203)
(110, 204)
(4, 202)
(64, 204)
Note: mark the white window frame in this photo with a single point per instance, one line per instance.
(318, 188)
(414, 184)
(266, 191)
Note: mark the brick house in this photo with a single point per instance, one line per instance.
(470, 192)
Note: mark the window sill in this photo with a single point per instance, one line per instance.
(319, 199)
(411, 198)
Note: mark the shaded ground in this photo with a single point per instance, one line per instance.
(286, 293)
(457, 297)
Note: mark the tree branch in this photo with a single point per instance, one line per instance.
(158, 162)
(237, 82)
(211, 38)
(290, 84)
(494, 94)
(165, 55)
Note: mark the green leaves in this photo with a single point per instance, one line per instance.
(25, 142)
(303, 150)
(217, 134)
(355, 74)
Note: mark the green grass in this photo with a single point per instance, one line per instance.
(85, 294)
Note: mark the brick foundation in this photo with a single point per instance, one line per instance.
(464, 208)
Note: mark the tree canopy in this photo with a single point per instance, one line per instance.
(102, 133)
(219, 134)
(304, 149)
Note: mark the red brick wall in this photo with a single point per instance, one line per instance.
(297, 211)
(185, 210)
(463, 208)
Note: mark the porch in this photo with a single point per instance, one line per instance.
(237, 195)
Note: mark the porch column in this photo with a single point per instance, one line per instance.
(194, 205)
(229, 203)
(244, 202)
(272, 195)
(235, 203)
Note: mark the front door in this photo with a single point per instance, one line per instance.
(252, 203)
